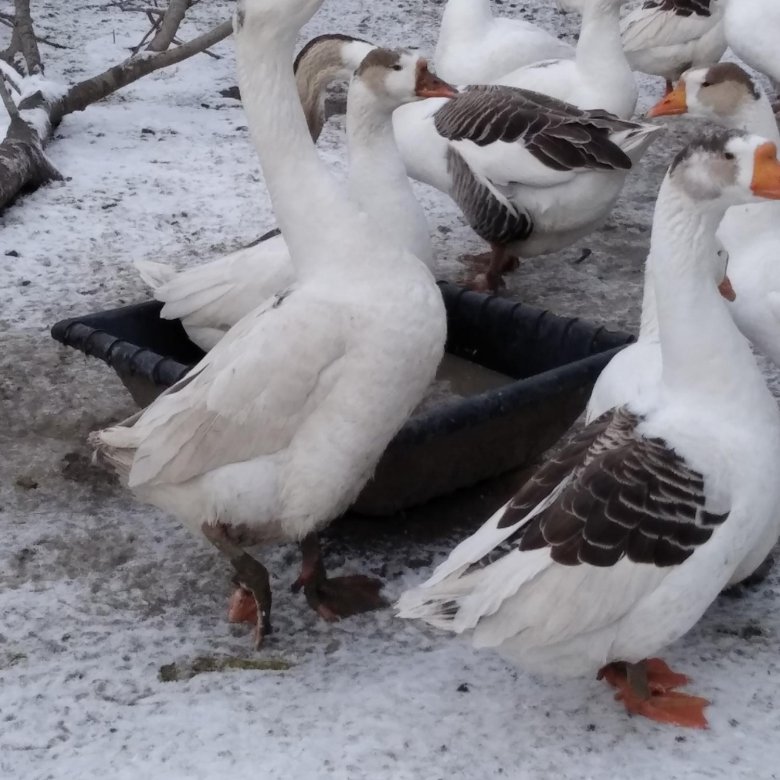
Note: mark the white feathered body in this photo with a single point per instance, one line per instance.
(279, 427)
(210, 298)
(572, 620)
(565, 80)
(633, 375)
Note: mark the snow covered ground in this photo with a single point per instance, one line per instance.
(98, 593)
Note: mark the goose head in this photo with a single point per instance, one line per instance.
(723, 93)
(726, 169)
(396, 76)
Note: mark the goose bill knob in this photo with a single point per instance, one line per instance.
(429, 85)
(673, 104)
(766, 172)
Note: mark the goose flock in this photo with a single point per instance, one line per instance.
(322, 338)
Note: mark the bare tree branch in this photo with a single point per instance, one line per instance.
(8, 102)
(8, 21)
(24, 26)
(96, 88)
(169, 26)
(23, 164)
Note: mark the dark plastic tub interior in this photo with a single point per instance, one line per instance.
(550, 364)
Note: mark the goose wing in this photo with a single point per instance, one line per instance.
(515, 136)
(596, 529)
(246, 399)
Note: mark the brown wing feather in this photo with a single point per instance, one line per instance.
(628, 496)
(558, 134)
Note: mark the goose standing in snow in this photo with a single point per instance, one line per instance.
(274, 433)
(599, 76)
(667, 37)
(728, 95)
(531, 174)
(474, 47)
(617, 546)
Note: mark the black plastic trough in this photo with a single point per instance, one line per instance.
(524, 376)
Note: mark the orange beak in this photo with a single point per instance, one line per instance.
(766, 172)
(671, 105)
(428, 85)
(726, 290)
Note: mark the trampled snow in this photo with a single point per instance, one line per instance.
(100, 595)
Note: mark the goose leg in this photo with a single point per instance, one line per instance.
(251, 601)
(648, 688)
(500, 263)
(334, 597)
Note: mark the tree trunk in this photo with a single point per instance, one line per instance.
(23, 165)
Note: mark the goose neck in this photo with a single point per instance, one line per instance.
(600, 48)
(702, 350)
(306, 200)
(377, 175)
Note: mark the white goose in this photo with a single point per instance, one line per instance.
(726, 94)
(751, 32)
(474, 47)
(530, 173)
(616, 547)
(212, 297)
(667, 37)
(276, 430)
(599, 76)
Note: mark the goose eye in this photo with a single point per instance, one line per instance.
(397, 67)
(728, 156)
(706, 84)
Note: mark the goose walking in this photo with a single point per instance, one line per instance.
(274, 433)
(617, 546)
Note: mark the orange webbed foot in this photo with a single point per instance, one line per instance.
(674, 708)
(648, 689)
(661, 678)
